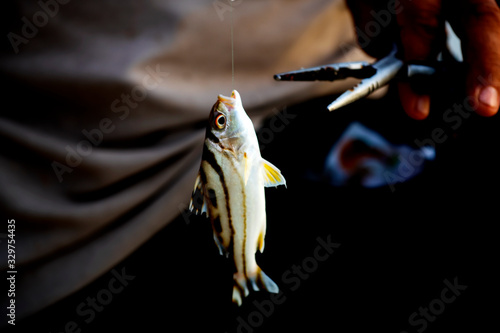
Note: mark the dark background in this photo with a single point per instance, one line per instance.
(397, 247)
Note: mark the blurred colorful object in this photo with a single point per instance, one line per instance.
(362, 157)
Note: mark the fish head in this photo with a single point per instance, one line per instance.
(229, 124)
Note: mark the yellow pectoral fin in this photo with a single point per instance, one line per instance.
(272, 175)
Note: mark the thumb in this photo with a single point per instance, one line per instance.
(477, 23)
(422, 35)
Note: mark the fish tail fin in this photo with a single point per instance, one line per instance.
(240, 289)
(260, 281)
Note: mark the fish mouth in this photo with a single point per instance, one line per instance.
(231, 102)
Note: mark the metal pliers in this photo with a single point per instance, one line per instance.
(374, 76)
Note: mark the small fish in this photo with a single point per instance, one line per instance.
(231, 184)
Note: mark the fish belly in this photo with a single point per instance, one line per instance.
(237, 210)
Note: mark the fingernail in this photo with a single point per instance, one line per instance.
(489, 96)
(422, 106)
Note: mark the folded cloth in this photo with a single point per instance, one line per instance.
(103, 137)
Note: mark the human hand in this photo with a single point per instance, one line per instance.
(420, 27)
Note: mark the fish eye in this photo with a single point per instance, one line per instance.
(220, 121)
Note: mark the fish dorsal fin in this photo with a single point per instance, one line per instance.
(272, 175)
(198, 203)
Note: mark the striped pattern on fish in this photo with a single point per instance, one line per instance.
(231, 182)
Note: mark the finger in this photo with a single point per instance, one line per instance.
(422, 35)
(416, 106)
(478, 26)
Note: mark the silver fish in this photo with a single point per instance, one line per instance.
(231, 185)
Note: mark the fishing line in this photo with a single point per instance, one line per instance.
(232, 45)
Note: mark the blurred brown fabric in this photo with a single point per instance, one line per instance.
(102, 138)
